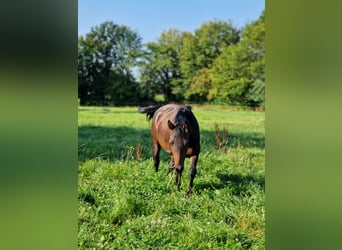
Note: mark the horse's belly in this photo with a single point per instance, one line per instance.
(162, 133)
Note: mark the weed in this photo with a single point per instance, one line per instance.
(139, 152)
(221, 138)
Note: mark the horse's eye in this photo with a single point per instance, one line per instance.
(172, 142)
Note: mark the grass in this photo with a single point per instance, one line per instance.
(124, 204)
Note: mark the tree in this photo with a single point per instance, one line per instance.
(188, 63)
(254, 39)
(238, 72)
(179, 61)
(218, 62)
(200, 85)
(212, 37)
(161, 68)
(199, 51)
(229, 75)
(105, 58)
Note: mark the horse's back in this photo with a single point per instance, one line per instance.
(173, 112)
(165, 113)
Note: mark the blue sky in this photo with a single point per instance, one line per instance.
(151, 17)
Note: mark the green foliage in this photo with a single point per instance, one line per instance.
(200, 86)
(105, 58)
(238, 72)
(188, 59)
(212, 37)
(254, 40)
(256, 93)
(216, 63)
(124, 204)
(161, 68)
(229, 75)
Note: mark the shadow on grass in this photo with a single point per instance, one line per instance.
(112, 143)
(238, 184)
(235, 140)
(120, 142)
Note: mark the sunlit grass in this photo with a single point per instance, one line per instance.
(124, 204)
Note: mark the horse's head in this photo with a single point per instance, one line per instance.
(179, 143)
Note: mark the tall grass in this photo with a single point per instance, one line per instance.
(124, 204)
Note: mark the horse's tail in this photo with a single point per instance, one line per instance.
(149, 110)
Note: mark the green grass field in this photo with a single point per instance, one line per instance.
(124, 204)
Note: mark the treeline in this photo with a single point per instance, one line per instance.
(218, 63)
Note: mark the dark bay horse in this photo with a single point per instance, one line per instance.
(174, 129)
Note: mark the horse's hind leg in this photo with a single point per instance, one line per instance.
(156, 150)
(193, 171)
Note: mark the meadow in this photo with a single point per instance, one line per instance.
(124, 204)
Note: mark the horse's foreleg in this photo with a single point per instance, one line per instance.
(178, 178)
(193, 171)
(171, 165)
(156, 150)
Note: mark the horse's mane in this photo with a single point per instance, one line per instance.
(184, 116)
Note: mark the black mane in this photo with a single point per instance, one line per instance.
(186, 117)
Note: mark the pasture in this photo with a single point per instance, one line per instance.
(124, 204)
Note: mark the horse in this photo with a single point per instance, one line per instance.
(175, 130)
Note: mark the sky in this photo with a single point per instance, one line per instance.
(151, 17)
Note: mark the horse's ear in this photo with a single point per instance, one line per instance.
(171, 125)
